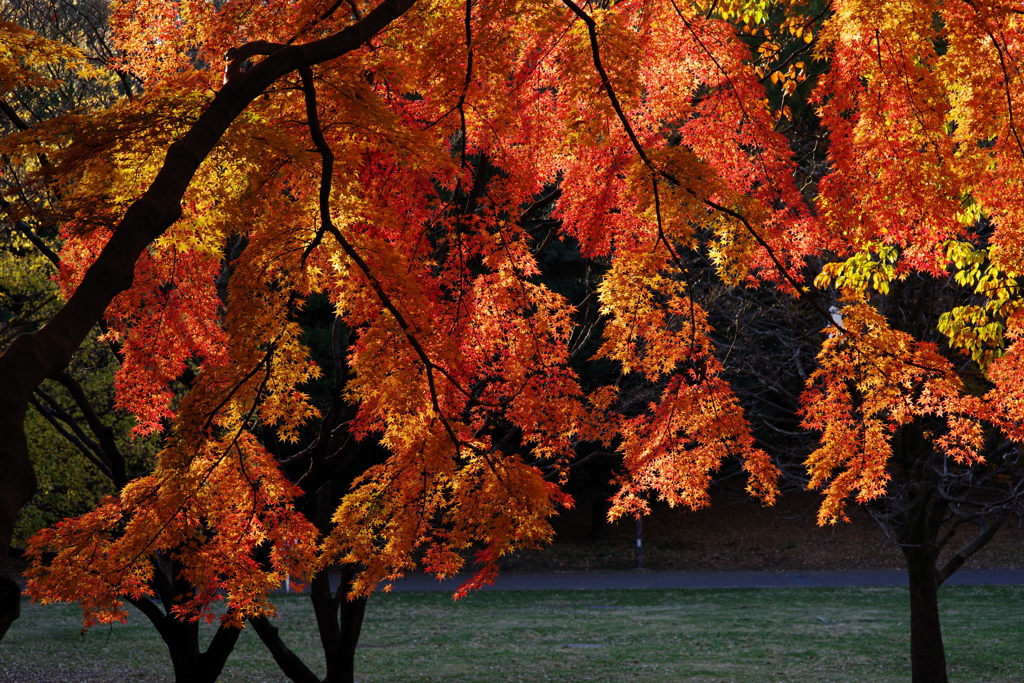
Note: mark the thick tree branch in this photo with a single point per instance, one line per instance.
(12, 115)
(291, 664)
(222, 644)
(149, 608)
(985, 534)
(327, 225)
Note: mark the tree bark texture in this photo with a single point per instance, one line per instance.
(927, 653)
(34, 357)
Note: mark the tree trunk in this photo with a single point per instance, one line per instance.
(17, 486)
(182, 640)
(340, 622)
(191, 665)
(927, 654)
(182, 637)
(351, 614)
(10, 603)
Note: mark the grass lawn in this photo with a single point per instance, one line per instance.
(796, 634)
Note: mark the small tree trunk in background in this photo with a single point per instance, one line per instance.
(599, 518)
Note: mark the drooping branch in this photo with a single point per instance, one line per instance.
(711, 56)
(326, 158)
(673, 180)
(461, 102)
(783, 271)
(327, 225)
(1006, 88)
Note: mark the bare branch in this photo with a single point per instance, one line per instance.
(50, 415)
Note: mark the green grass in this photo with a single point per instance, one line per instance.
(798, 634)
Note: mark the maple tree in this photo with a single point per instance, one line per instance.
(387, 156)
(919, 102)
(251, 366)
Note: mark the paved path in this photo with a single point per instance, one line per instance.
(604, 581)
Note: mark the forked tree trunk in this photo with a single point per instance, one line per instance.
(182, 637)
(182, 640)
(191, 665)
(339, 621)
(927, 653)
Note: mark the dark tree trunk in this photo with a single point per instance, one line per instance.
(328, 465)
(915, 518)
(182, 640)
(191, 665)
(340, 621)
(10, 603)
(291, 664)
(17, 486)
(927, 654)
(182, 637)
(351, 617)
(923, 513)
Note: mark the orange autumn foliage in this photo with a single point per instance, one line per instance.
(392, 180)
